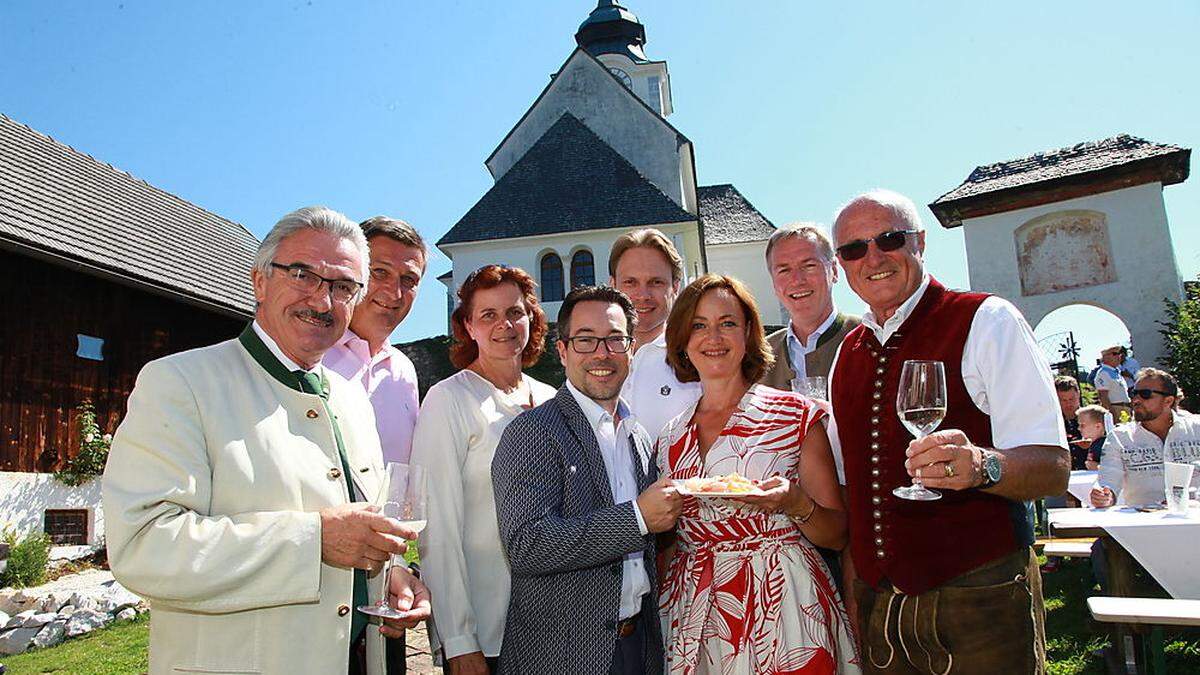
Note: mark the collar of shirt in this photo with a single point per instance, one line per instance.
(361, 349)
(884, 333)
(811, 343)
(277, 352)
(595, 414)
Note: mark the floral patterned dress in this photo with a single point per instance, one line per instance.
(746, 592)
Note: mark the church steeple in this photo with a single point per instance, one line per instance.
(612, 29)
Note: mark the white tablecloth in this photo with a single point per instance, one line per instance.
(1080, 485)
(1167, 545)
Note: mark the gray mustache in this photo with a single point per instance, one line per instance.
(324, 317)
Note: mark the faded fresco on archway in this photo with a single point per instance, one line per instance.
(1064, 250)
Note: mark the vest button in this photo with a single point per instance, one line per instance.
(879, 553)
(877, 513)
(875, 446)
(878, 384)
(312, 414)
(879, 541)
(875, 485)
(879, 371)
(879, 527)
(343, 610)
(335, 473)
(876, 500)
(875, 458)
(874, 420)
(874, 433)
(883, 359)
(875, 472)
(875, 396)
(875, 408)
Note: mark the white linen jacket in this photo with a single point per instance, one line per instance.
(211, 495)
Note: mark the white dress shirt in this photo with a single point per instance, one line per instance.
(618, 451)
(390, 381)
(273, 347)
(462, 560)
(1132, 463)
(652, 391)
(798, 351)
(1004, 371)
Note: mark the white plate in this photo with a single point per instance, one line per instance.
(680, 486)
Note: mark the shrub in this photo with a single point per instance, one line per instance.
(1181, 338)
(27, 559)
(93, 449)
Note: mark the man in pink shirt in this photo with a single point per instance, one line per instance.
(363, 354)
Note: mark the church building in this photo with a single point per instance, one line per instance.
(593, 158)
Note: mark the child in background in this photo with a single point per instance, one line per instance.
(1094, 422)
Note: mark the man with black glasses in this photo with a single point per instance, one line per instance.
(578, 504)
(1132, 464)
(920, 571)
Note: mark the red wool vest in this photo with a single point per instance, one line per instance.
(917, 546)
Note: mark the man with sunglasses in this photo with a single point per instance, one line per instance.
(1111, 386)
(239, 486)
(919, 572)
(578, 504)
(1132, 463)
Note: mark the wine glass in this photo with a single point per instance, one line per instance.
(921, 405)
(405, 502)
(816, 387)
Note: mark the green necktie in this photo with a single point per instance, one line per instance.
(311, 383)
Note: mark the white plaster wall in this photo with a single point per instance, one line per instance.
(585, 88)
(525, 252)
(1143, 257)
(24, 498)
(747, 262)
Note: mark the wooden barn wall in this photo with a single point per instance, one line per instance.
(42, 379)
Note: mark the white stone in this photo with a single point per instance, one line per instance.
(18, 620)
(39, 619)
(85, 621)
(4, 619)
(52, 634)
(18, 640)
(116, 598)
(66, 611)
(17, 601)
(127, 614)
(52, 602)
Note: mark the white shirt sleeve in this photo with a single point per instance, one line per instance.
(1112, 465)
(831, 429)
(1009, 379)
(440, 445)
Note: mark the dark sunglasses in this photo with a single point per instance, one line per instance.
(1147, 394)
(888, 241)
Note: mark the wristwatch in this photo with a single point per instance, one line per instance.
(989, 466)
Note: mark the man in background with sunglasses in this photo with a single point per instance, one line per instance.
(1111, 386)
(1132, 463)
(920, 573)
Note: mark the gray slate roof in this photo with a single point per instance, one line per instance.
(60, 202)
(1055, 164)
(569, 181)
(729, 218)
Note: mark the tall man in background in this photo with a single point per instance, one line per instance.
(364, 356)
(920, 572)
(645, 266)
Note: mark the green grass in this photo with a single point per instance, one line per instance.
(119, 649)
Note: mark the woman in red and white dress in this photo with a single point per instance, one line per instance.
(744, 590)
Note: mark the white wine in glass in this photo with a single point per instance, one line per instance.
(921, 405)
(405, 495)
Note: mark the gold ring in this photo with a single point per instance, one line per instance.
(949, 470)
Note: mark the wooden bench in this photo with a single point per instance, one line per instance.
(1154, 612)
(1069, 548)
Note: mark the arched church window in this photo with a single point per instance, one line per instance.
(552, 278)
(583, 269)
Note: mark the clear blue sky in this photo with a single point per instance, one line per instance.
(253, 109)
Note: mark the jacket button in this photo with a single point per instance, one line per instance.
(312, 414)
(335, 473)
(343, 610)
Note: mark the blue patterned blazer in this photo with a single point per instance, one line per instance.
(565, 541)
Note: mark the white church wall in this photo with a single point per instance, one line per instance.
(585, 89)
(1055, 243)
(747, 262)
(526, 253)
(25, 497)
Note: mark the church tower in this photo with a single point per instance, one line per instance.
(614, 35)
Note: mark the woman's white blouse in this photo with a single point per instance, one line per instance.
(462, 560)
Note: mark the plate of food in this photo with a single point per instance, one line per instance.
(729, 485)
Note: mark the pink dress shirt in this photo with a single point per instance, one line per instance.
(390, 381)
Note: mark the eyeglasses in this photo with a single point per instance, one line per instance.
(588, 344)
(1147, 394)
(888, 241)
(340, 290)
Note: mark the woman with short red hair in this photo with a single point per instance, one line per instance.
(499, 328)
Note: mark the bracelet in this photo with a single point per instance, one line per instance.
(804, 518)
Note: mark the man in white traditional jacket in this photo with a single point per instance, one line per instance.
(1132, 463)
(238, 486)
